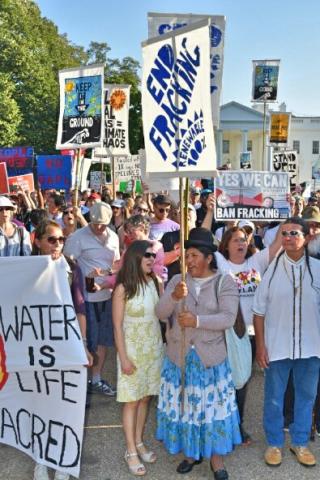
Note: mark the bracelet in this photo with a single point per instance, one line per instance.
(84, 340)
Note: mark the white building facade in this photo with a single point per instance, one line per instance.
(241, 130)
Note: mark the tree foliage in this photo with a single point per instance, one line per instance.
(31, 54)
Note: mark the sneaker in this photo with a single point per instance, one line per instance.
(40, 472)
(304, 456)
(61, 476)
(103, 387)
(273, 456)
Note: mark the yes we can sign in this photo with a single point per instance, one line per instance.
(176, 102)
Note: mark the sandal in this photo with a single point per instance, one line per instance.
(147, 456)
(137, 469)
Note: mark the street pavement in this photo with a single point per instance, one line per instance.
(104, 447)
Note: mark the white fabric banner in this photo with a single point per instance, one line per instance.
(161, 23)
(116, 117)
(81, 104)
(176, 105)
(42, 358)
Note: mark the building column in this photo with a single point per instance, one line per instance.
(219, 143)
(244, 140)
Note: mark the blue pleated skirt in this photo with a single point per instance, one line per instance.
(209, 423)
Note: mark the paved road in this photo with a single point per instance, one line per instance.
(103, 448)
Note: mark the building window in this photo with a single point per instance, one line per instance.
(249, 146)
(315, 147)
(296, 145)
(226, 146)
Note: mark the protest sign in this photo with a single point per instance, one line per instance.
(54, 171)
(4, 185)
(316, 170)
(127, 168)
(252, 196)
(245, 160)
(162, 23)
(287, 161)
(97, 179)
(81, 105)
(265, 80)
(26, 182)
(176, 103)
(116, 118)
(19, 160)
(279, 127)
(42, 378)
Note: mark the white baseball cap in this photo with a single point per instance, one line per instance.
(5, 202)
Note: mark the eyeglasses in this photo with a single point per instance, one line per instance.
(292, 233)
(162, 210)
(142, 210)
(52, 240)
(149, 255)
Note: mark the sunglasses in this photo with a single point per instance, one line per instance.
(3, 209)
(292, 233)
(142, 210)
(149, 255)
(52, 240)
(162, 210)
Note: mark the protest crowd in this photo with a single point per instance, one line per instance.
(190, 341)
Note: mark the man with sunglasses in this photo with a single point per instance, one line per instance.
(160, 223)
(287, 327)
(96, 246)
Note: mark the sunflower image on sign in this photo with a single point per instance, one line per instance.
(3, 372)
(118, 99)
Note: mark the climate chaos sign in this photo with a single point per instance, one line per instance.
(176, 102)
(81, 106)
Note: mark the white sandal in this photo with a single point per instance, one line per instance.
(139, 469)
(148, 456)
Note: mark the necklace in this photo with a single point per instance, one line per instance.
(293, 279)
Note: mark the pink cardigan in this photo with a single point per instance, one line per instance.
(216, 308)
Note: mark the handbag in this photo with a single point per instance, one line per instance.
(238, 350)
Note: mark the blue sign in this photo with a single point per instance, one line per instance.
(54, 171)
(19, 160)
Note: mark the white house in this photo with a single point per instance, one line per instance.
(241, 130)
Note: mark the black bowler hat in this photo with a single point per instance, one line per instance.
(200, 237)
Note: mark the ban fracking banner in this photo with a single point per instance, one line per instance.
(4, 185)
(116, 118)
(265, 80)
(162, 23)
(176, 104)
(279, 127)
(42, 358)
(19, 160)
(54, 171)
(252, 195)
(81, 106)
(287, 161)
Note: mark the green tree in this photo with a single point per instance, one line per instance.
(10, 117)
(31, 54)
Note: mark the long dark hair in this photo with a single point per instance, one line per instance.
(227, 236)
(206, 251)
(130, 274)
(305, 229)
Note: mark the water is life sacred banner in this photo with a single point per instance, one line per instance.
(176, 102)
(43, 379)
(265, 80)
(81, 107)
(162, 23)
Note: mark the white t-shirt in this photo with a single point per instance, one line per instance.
(290, 303)
(91, 252)
(247, 276)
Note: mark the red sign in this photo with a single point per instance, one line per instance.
(4, 186)
(26, 182)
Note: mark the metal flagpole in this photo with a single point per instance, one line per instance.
(113, 178)
(264, 134)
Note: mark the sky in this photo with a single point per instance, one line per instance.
(275, 29)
